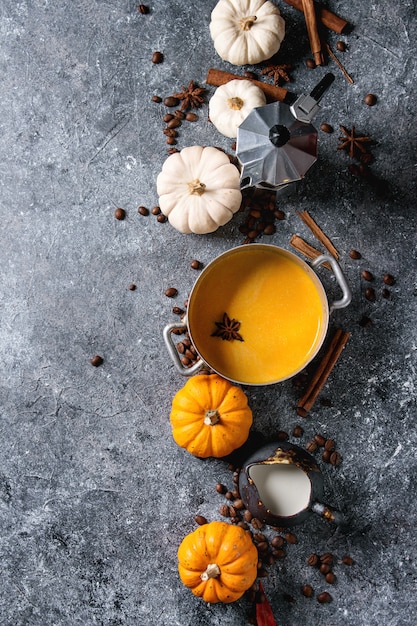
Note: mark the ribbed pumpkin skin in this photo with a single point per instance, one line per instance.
(210, 392)
(228, 546)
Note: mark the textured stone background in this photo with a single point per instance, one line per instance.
(95, 496)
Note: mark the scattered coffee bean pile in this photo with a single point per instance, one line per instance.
(173, 119)
(261, 214)
(369, 292)
(329, 452)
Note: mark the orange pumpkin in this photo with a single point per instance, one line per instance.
(218, 562)
(210, 416)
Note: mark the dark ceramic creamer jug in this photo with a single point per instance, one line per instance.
(281, 484)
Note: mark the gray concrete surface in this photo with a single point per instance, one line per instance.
(95, 494)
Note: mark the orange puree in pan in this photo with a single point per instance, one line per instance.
(281, 307)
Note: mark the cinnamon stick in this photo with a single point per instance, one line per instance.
(339, 64)
(272, 92)
(318, 233)
(304, 248)
(324, 369)
(327, 18)
(312, 31)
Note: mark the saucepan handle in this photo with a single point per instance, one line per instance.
(340, 277)
(174, 354)
(327, 513)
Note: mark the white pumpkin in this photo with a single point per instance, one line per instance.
(198, 189)
(232, 102)
(246, 31)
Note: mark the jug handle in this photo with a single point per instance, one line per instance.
(173, 352)
(340, 277)
(327, 513)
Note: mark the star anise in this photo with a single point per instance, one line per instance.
(191, 96)
(227, 329)
(353, 144)
(277, 72)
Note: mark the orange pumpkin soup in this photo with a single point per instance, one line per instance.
(280, 305)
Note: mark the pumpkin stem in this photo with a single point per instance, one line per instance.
(211, 417)
(235, 103)
(246, 23)
(212, 571)
(196, 188)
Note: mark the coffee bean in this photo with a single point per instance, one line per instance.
(278, 553)
(370, 294)
(171, 101)
(335, 458)
(142, 210)
(291, 538)
(157, 57)
(142, 8)
(269, 230)
(277, 541)
(365, 322)
(326, 128)
(319, 439)
(233, 512)
(386, 294)
(247, 515)
(156, 99)
(224, 510)
(161, 218)
(330, 578)
(388, 279)
(174, 123)
(311, 64)
(96, 361)
(341, 46)
(280, 215)
(200, 520)
(170, 132)
(282, 435)
(132, 287)
(327, 557)
(177, 310)
(155, 210)
(347, 560)
(297, 431)
(171, 141)
(329, 445)
(195, 265)
(256, 523)
(313, 559)
(191, 117)
(238, 504)
(370, 99)
(307, 591)
(262, 546)
(120, 214)
(326, 456)
(367, 275)
(354, 254)
(311, 446)
(243, 525)
(180, 115)
(324, 597)
(171, 292)
(325, 568)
